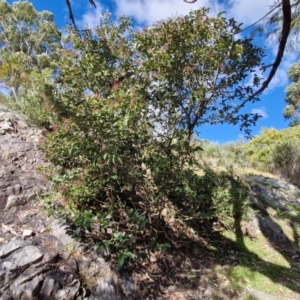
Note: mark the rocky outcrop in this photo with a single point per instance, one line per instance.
(271, 198)
(39, 259)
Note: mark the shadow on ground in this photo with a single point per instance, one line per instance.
(212, 264)
(207, 260)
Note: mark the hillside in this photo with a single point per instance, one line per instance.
(107, 191)
(258, 257)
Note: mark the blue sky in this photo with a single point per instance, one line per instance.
(146, 12)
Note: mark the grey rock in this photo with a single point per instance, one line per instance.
(271, 195)
(106, 288)
(26, 257)
(60, 285)
(17, 189)
(62, 231)
(6, 126)
(10, 191)
(273, 230)
(28, 276)
(28, 289)
(251, 228)
(9, 248)
(8, 266)
(12, 200)
(258, 295)
(48, 263)
(70, 266)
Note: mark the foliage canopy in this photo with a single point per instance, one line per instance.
(29, 44)
(292, 110)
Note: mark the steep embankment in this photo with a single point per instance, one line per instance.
(39, 259)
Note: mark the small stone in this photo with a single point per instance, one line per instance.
(171, 289)
(31, 197)
(12, 200)
(17, 189)
(10, 191)
(207, 294)
(28, 232)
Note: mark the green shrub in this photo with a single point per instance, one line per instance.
(127, 106)
(259, 151)
(286, 160)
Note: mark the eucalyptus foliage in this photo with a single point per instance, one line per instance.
(292, 110)
(29, 43)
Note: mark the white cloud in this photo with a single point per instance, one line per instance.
(260, 111)
(147, 12)
(92, 16)
(248, 11)
(280, 79)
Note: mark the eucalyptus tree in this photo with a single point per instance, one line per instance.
(292, 110)
(29, 41)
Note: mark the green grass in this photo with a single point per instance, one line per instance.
(259, 266)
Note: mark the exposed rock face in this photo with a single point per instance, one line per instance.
(276, 193)
(38, 258)
(271, 196)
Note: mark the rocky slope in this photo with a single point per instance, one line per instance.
(38, 257)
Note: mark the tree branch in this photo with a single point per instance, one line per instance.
(286, 27)
(71, 15)
(93, 3)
